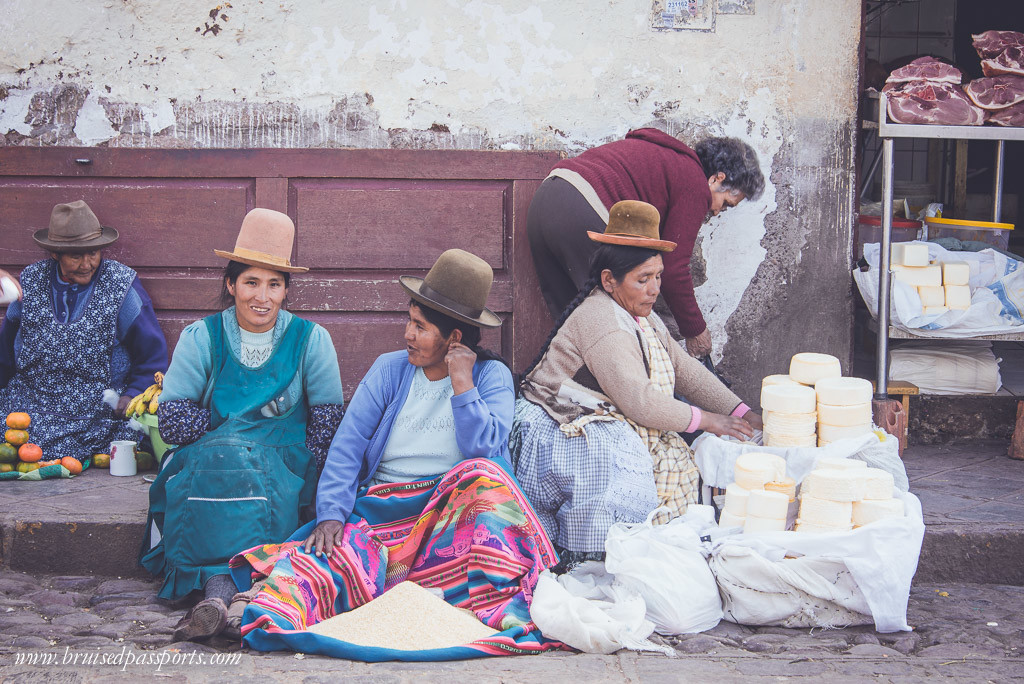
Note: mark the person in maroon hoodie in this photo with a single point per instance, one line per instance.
(687, 186)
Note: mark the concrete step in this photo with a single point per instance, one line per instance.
(973, 499)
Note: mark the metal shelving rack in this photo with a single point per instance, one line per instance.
(887, 133)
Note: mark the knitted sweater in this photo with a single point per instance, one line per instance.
(596, 362)
(654, 167)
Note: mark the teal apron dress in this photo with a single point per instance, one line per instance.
(241, 483)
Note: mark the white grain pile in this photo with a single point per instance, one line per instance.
(406, 618)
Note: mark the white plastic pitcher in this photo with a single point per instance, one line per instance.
(122, 458)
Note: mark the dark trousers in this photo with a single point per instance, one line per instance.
(556, 226)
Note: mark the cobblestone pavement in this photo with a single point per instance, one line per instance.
(963, 632)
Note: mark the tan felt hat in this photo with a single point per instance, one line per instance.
(457, 285)
(634, 224)
(265, 240)
(74, 228)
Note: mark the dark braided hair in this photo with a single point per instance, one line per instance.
(620, 260)
(470, 333)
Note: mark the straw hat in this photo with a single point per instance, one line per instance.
(265, 240)
(634, 224)
(457, 285)
(74, 228)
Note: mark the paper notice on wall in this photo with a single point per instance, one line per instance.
(698, 15)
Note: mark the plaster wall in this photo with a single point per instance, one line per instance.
(506, 74)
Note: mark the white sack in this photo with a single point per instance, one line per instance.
(761, 586)
(587, 610)
(985, 316)
(667, 565)
(967, 367)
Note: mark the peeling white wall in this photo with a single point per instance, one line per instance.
(512, 74)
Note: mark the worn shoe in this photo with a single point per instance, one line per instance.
(206, 619)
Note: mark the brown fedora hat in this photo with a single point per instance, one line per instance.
(457, 285)
(634, 224)
(74, 228)
(265, 240)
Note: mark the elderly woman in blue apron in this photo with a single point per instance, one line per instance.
(252, 398)
(83, 325)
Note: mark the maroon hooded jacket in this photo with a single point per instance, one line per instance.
(652, 166)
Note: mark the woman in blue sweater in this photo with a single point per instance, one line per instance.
(417, 484)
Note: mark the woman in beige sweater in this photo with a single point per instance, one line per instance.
(596, 434)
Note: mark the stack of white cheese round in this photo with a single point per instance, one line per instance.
(789, 402)
(844, 408)
(843, 493)
(758, 500)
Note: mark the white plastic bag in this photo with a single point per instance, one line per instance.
(797, 579)
(667, 565)
(588, 610)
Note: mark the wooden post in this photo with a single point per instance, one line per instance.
(1017, 441)
(889, 415)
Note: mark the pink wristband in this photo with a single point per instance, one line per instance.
(694, 421)
(740, 410)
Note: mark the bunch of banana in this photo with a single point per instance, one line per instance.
(149, 400)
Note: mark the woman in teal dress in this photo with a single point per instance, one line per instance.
(253, 396)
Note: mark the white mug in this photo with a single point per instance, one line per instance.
(122, 458)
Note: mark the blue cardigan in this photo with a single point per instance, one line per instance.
(483, 420)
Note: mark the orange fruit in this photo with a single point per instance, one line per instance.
(8, 453)
(72, 464)
(43, 464)
(18, 420)
(30, 453)
(6, 467)
(16, 437)
(27, 467)
(101, 460)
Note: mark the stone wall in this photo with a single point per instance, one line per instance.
(508, 74)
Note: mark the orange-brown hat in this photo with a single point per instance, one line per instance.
(634, 224)
(265, 240)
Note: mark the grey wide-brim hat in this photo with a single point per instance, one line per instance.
(457, 285)
(74, 228)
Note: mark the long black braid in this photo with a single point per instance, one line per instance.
(620, 260)
(470, 333)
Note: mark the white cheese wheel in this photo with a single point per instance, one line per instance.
(856, 414)
(935, 310)
(832, 433)
(753, 525)
(956, 273)
(812, 528)
(909, 254)
(788, 399)
(808, 367)
(784, 441)
(727, 519)
(765, 504)
(932, 295)
(834, 485)
(825, 512)
(786, 485)
(753, 469)
(736, 500)
(843, 391)
(778, 380)
(839, 463)
(958, 297)
(789, 424)
(878, 483)
(918, 276)
(870, 510)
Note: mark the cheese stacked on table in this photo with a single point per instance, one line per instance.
(844, 408)
(940, 286)
(758, 500)
(843, 493)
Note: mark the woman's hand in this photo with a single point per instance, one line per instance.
(700, 345)
(754, 419)
(325, 537)
(460, 360)
(720, 425)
